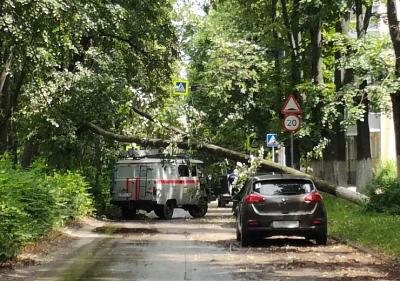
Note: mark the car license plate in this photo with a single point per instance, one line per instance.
(124, 194)
(285, 224)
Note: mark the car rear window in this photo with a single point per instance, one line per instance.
(283, 187)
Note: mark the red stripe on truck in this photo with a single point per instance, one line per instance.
(160, 181)
(127, 185)
(136, 189)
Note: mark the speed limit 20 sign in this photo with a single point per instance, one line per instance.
(291, 123)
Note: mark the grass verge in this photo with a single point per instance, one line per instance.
(352, 223)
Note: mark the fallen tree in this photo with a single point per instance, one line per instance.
(322, 185)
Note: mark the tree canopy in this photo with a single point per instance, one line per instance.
(64, 64)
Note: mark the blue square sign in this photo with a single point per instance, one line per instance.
(272, 140)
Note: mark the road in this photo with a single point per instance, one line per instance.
(195, 249)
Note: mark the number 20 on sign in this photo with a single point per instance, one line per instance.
(291, 123)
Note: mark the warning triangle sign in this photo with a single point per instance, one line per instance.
(291, 106)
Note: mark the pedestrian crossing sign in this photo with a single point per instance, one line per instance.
(272, 140)
(181, 87)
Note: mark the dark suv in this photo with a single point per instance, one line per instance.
(280, 204)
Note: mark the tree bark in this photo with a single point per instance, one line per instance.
(4, 72)
(291, 36)
(8, 104)
(316, 54)
(234, 155)
(362, 19)
(334, 158)
(394, 30)
(276, 51)
(363, 135)
(338, 138)
(294, 37)
(30, 151)
(396, 119)
(342, 27)
(364, 162)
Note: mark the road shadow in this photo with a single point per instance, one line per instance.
(283, 241)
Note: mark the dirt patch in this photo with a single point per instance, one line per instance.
(124, 230)
(299, 259)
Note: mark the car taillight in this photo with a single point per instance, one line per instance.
(253, 223)
(316, 222)
(254, 198)
(313, 197)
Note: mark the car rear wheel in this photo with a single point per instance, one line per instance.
(237, 234)
(245, 239)
(164, 211)
(321, 238)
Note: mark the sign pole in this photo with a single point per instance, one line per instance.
(291, 121)
(291, 150)
(273, 154)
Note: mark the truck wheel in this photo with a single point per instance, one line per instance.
(128, 213)
(198, 211)
(221, 202)
(164, 212)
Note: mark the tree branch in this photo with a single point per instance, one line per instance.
(367, 18)
(149, 117)
(362, 20)
(4, 73)
(394, 26)
(286, 21)
(338, 191)
(122, 39)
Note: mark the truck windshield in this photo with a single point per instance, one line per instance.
(183, 170)
(124, 172)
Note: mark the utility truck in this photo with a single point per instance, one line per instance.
(152, 181)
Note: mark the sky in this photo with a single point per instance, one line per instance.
(196, 9)
(196, 4)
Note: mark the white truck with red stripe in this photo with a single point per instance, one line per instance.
(158, 184)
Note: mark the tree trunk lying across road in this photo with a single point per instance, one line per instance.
(338, 191)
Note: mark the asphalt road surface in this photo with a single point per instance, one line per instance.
(149, 249)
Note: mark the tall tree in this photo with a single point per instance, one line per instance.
(364, 166)
(337, 149)
(62, 62)
(394, 29)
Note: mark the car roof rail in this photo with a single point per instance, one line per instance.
(154, 153)
(272, 173)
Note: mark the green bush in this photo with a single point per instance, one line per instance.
(384, 190)
(34, 201)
